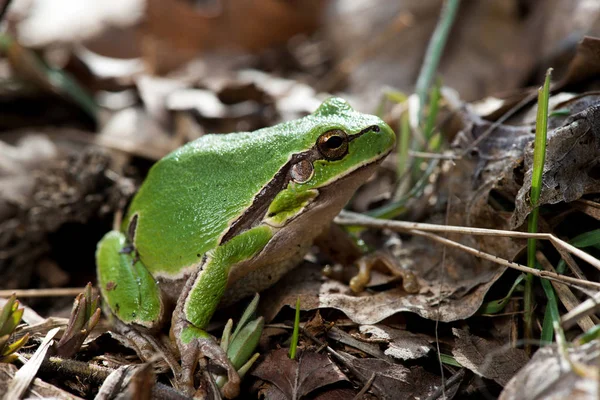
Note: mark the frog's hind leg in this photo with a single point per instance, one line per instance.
(128, 289)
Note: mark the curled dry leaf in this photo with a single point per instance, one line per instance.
(366, 308)
(548, 375)
(571, 168)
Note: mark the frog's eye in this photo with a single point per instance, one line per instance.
(333, 144)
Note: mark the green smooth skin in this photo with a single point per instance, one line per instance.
(137, 298)
(191, 198)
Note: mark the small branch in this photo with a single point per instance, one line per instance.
(566, 296)
(4, 9)
(419, 229)
(350, 218)
(56, 292)
(553, 276)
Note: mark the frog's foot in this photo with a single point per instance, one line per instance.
(382, 262)
(193, 344)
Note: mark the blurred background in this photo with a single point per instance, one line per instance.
(137, 79)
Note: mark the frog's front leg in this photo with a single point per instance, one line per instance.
(201, 296)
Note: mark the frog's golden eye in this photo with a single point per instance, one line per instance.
(333, 144)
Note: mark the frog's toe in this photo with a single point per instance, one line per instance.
(194, 344)
(209, 349)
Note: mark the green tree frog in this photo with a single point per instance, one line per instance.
(226, 216)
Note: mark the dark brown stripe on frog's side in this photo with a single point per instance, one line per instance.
(262, 200)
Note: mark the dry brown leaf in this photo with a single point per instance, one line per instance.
(584, 66)
(307, 282)
(571, 167)
(297, 378)
(130, 381)
(176, 31)
(402, 344)
(16, 166)
(39, 387)
(394, 381)
(487, 358)
(549, 376)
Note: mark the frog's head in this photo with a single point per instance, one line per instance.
(343, 148)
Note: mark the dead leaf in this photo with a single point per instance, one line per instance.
(402, 344)
(40, 388)
(307, 280)
(584, 66)
(549, 376)
(26, 374)
(176, 31)
(355, 345)
(487, 358)
(571, 167)
(394, 381)
(297, 378)
(16, 166)
(129, 381)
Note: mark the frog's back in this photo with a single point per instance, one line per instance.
(192, 195)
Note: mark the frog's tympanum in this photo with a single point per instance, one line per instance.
(226, 216)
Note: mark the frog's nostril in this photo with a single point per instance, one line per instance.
(375, 128)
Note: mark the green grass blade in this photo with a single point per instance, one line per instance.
(6, 312)
(539, 151)
(434, 52)
(495, 306)
(551, 315)
(586, 239)
(449, 360)
(13, 321)
(295, 334)
(248, 314)
(434, 106)
(403, 145)
(591, 334)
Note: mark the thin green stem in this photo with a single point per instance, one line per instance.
(295, 334)
(539, 155)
